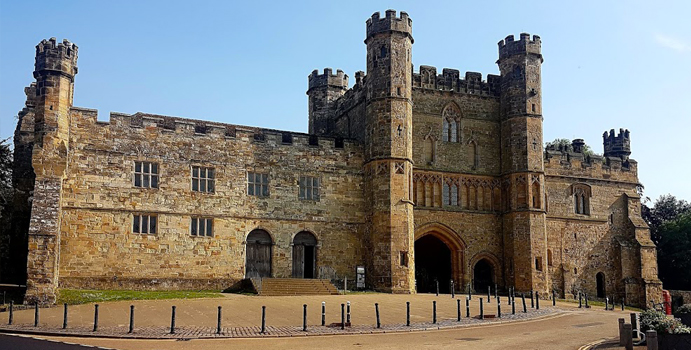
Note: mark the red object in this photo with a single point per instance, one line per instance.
(667, 300)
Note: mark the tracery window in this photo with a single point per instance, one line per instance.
(581, 199)
(450, 123)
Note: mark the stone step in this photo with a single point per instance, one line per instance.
(297, 286)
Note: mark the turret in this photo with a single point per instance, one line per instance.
(389, 153)
(323, 90)
(519, 63)
(617, 145)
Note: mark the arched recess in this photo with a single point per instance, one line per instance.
(258, 246)
(600, 281)
(494, 263)
(304, 255)
(455, 245)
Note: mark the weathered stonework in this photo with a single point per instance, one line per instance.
(421, 177)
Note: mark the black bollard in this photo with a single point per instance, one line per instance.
(482, 311)
(537, 300)
(453, 292)
(586, 301)
(172, 320)
(342, 316)
(470, 293)
(437, 282)
(467, 307)
(323, 313)
(36, 314)
(218, 321)
(64, 317)
(376, 309)
(131, 319)
(348, 312)
(554, 298)
(95, 317)
(489, 293)
(498, 307)
(580, 300)
(263, 319)
(304, 318)
(11, 313)
(525, 309)
(513, 305)
(622, 304)
(434, 311)
(496, 291)
(458, 310)
(606, 303)
(508, 296)
(532, 301)
(407, 313)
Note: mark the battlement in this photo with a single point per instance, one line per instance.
(56, 57)
(450, 80)
(572, 161)
(390, 23)
(509, 47)
(617, 145)
(338, 80)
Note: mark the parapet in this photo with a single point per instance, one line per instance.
(390, 23)
(56, 57)
(450, 80)
(328, 79)
(509, 47)
(617, 145)
(569, 160)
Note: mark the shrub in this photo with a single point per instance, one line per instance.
(659, 322)
(684, 309)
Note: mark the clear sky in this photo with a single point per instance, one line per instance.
(608, 64)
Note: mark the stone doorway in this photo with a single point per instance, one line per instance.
(304, 255)
(432, 263)
(483, 276)
(258, 251)
(601, 292)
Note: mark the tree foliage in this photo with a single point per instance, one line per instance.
(5, 172)
(670, 228)
(566, 144)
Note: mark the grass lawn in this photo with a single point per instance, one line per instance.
(84, 296)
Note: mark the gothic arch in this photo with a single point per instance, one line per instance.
(451, 121)
(493, 260)
(455, 244)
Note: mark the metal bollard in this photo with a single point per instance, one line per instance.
(323, 313)
(634, 325)
(434, 311)
(342, 316)
(458, 310)
(172, 320)
(348, 312)
(532, 301)
(95, 317)
(580, 300)
(263, 319)
(482, 310)
(36, 314)
(489, 293)
(453, 292)
(467, 307)
(537, 300)
(586, 301)
(622, 304)
(11, 317)
(651, 340)
(218, 321)
(606, 303)
(554, 298)
(525, 309)
(64, 317)
(496, 291)
(437, 282)
(304, 317)
(498, 307)
(407, 313)
(131, 319)
(628, 339)
(345, 285)
(621, 332)
(513, 305)
(376, 309)
(470, 294)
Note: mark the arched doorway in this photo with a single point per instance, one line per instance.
(432, 263)
(304, 255)
(258, 251)
(601, 292)
(483, 276)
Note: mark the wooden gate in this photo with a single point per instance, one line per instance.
(304, 255)
(258, 262)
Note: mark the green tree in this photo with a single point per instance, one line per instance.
(667, 208)
(5, 174)
(566, 143)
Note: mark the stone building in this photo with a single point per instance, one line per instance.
(419, 177)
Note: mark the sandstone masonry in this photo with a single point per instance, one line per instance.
(420, 177)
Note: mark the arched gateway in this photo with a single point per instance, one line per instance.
(258, 250)
(438, 257)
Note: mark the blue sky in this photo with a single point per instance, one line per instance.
(608, 64)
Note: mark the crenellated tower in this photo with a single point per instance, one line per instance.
(55, 68)
(323, 90)
(525, 250)
(618, 146)
(388, 152)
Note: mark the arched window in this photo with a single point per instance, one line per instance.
(445, 130)
(581, 199)
(383, 52)
(445, 194)
(472, 154)
(453, 131)
(549, 257)
(450, 116)
(454, 195)
(536, 195)
(429, 150)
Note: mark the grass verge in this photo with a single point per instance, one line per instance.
(84, 296)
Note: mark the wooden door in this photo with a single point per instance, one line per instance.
(258, 260)
(298, 261)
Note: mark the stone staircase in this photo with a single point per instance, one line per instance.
(295, 286)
